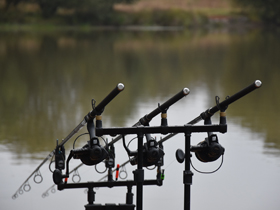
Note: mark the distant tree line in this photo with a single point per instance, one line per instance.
(102, 10)
(96, 8)
(266, 10)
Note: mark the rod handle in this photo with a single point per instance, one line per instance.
(147, 118)
(256, 84)
(100, 107)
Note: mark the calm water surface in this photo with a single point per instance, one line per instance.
(48, 80)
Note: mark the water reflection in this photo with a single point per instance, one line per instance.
(48, 80)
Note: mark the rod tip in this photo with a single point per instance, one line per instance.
(258, 83)
(186, 91)
(120, 86)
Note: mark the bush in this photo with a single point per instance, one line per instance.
(48, 7)
(266, 10)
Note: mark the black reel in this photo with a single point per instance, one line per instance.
(208, 150)
(92, 153)
(152, 154)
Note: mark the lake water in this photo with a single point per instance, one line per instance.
(49, 78)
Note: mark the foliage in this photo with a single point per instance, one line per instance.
(266, 10)
(97, 9)
(100, 12)
(49, 8)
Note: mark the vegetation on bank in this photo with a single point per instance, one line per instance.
(100, 12)
(104, 16)
(267, 11)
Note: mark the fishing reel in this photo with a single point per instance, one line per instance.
(208, 150)
(152, 153)
(90, 154)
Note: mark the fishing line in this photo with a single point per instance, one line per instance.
(51, 162)
(208, 172)
(77, 139)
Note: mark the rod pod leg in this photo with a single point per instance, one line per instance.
(91, 199)
(187, 175)
(129, 195)
(139, 173)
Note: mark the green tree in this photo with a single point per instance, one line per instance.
(95, 11)
(266, 10)
(48, 7)
(87, 10)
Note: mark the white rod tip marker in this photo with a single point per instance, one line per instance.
(258, 83)
(120, 86)
(186, 91)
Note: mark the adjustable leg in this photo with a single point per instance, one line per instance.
(91, 199)
(129, 195)
(139, 174)
(91, 195)
(187, 173)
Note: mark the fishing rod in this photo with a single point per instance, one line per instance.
(93, 153)
(147, 118)
(142, 128)
(207, 113)
(208, 150)
(219, 106)
(144, 121)
(96, 111)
